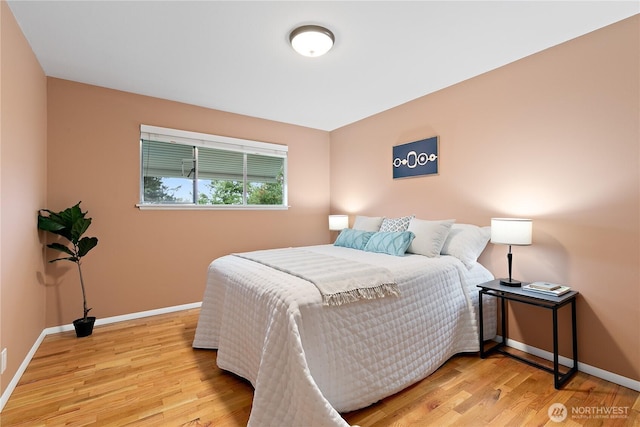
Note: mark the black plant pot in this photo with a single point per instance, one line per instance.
(84, 328)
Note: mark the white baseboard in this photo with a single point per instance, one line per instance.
(23, 367)
(582, 367)
(131, 316)
(63, 328)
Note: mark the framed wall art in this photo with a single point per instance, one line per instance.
(416, 158)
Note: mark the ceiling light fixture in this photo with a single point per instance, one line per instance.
(311, 40)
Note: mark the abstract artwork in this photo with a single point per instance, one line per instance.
(416, 158)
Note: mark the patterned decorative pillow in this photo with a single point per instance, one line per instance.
(396, 224)
(430, 236)
(354, 239)
(367, 223)
(390, 242)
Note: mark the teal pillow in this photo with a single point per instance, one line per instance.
(354, 239)
(390, 242)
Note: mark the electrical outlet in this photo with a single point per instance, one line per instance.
(4, 361)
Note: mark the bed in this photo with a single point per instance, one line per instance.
(309, 360)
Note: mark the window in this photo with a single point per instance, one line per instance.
(181, 169)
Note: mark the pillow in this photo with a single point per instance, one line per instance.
(390, 242)
(354, 239)
(430, 236)
(396, 224)
(367, 223)
(466, 242)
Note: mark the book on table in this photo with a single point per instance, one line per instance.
(546, 288)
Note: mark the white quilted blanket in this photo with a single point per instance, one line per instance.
(308, 362)
(346, 281)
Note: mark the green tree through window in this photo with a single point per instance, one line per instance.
(154, 189)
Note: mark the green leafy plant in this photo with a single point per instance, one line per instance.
(71, 224)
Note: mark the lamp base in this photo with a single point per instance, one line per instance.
(510, 282)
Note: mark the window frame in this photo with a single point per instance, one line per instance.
(218, 142)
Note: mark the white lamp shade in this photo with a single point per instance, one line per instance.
(338, 222)
(511, 231)
(311, 40)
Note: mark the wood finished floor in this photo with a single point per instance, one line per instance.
(145, 373)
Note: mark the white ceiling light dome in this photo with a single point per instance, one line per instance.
(311, 40)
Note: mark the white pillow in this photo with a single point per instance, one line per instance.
(430, 236)
(367, 223)
(466, 242)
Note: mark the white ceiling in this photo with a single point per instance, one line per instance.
(234, 56)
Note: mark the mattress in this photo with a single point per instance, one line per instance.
(308, 362)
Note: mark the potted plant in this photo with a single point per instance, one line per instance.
(71, 224)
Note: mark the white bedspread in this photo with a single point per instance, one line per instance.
(308, 362)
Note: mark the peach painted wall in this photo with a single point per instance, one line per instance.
(23, 133)
(153, 259)
(554, 137)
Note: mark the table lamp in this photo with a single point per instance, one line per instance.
(338, 222)
(511, 231)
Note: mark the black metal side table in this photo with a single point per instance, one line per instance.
(553, 303)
